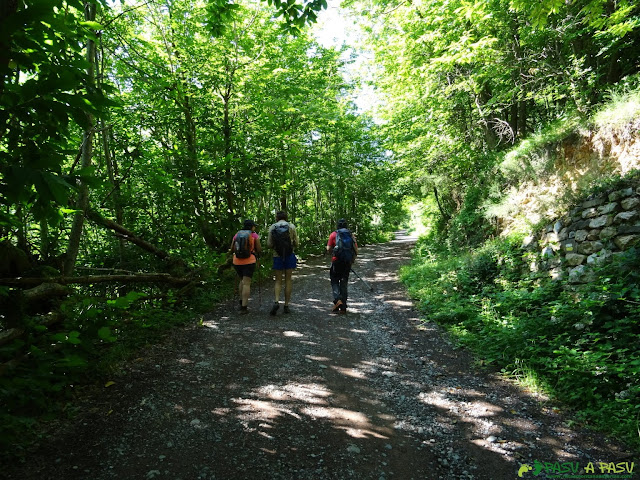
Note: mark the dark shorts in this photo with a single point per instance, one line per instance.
(339, 270)
(289, 262)
(245, 270)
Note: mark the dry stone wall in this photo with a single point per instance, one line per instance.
(593, 232)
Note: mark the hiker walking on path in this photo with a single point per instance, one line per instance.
(245, 248)
(283, 239)
(344, 248)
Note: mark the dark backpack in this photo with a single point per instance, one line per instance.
(244, 244)
(282, 240)
(344, 250)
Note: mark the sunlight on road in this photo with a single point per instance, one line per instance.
(350, 372)
(292, 334)
(354, 424)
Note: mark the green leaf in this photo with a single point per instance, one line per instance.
(105, 334)
(91, 25)
(74, 338)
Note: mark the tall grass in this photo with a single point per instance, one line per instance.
(621, 110)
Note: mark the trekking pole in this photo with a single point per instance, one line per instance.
(259, 290)
(356, 274)
(236, 287)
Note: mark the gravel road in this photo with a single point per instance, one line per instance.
(374, 394)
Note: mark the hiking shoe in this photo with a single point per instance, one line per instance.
(244, 309)
(274, 309)
(336, 306)
(286, 309)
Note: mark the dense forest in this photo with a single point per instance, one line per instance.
(136, 137)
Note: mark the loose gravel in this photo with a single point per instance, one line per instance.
(378, 394)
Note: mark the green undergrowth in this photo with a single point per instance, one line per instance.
(578, 345)
(102, 327)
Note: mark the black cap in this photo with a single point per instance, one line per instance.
(248, 224)
(342, 223)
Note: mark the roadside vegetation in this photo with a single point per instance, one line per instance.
(574, 344)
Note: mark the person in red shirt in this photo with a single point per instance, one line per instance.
(246, 266)
(344, 248)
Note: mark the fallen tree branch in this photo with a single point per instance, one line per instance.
(45, 290)
(126, 234)
(88, 280)
(100, 269)
(9, 335)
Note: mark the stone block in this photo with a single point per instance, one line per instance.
(608, 208)
(588, 248)
(557, 226)
(625, 242)
(574, 259)
(603, 256)
(630, 203)
(579, 225)
(628, 230)
(547, 252)
(596, 202)
(623, 217)
(581, 274)
(554, 262)
(563, 235)
(602, 221)
(593, 235)
(608, 232)
(556, 274)
(590, 213)
(552, 237)
(618, 194)
(529, 242)
(581, 235)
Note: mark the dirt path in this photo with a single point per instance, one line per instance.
(374, 394)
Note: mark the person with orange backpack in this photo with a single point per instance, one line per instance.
(344, 248)
(245, 248)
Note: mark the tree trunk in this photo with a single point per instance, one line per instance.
(111, 170)
(227, 130)
(82, 203)
(513, 120)
(7, 8)
(44, 241)
(283, 180)
(522, 118)
(445, 216)
(88, 280)
(21, 233)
